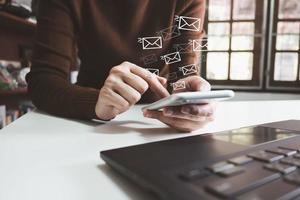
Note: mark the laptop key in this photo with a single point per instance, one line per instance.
(231, 171)
(236, 185)
(294, 147)
(194, 174)
(279, 167)
(297, 156)
(282, 151)
(220, 166)
(241, 160)
(278, 189)
(293, 178)
(265, 156)
(291, 161)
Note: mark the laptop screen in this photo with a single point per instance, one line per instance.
(253, 135)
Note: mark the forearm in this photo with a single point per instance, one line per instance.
(56, 96)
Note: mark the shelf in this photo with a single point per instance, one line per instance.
(13, 98)
(15, 22)
(15, 32)
(20, 91)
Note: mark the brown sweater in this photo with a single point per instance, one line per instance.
(103, 34)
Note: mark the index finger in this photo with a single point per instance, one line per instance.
(152, 80)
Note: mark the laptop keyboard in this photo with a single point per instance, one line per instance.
(268, 174)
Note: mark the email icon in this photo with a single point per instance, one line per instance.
(151, 43)
(189, 23)
(171, 76)
(149, 59)
(189, 69)
(171, 58)
(169, 33)
(179, 85)
(184, 48)
(200, 45)
(153, 71)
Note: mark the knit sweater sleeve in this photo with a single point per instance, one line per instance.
(48, 80)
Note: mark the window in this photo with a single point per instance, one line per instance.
(284, 45)
(234, 54)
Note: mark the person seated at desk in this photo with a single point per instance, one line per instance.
(112, 75)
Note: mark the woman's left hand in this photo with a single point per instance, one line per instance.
(187, 118)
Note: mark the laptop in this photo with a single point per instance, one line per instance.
(251, 163)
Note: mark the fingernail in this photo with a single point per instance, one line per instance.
(186, 110)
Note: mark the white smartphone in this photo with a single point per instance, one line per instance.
(184, 98)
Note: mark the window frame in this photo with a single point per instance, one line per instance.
(257, 82)
(271, 84)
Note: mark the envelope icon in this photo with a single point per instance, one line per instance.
(169, 33)
(152, 43)
(189, 23)
(184, 48)
(200, 45)
(153, 71)
(189, 69)
(149, 59)
(172, 58)
(172, 76)
(179, 85)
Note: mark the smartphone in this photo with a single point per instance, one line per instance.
(185, 98)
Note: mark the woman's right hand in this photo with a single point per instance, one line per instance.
(124, 87)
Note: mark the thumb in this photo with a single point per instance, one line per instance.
(196, 83)
(162, 80)
(152, 114)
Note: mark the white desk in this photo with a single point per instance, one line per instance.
(48, 158)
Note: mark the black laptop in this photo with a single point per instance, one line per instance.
(252, 163)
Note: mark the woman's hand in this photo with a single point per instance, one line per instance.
(187, 118)
(124, 87)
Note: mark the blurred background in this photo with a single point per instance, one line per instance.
(252, 47)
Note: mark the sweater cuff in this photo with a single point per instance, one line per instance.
(85, 103)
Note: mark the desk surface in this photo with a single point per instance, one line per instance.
(45, 157)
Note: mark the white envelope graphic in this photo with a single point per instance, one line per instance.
(153, 71)
(200, 45)
(189, 23)
(171, 76)
(169, 33)
(149, 59)
(184, 48)
(172, 58)
(179, 85)
(189, 69)
(152, 43)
